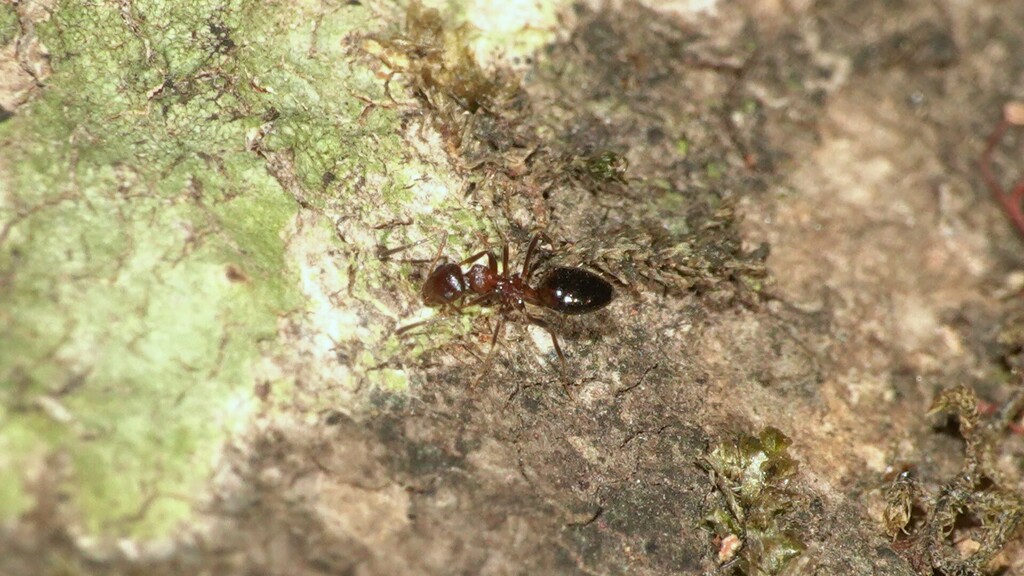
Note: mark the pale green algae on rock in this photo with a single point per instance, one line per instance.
(8, 23)
(150, 241)
(142, 269)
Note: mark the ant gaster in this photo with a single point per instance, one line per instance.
(564, 290)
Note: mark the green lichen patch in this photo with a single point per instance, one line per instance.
(960, 526)
(754, 523)
(140, 318)
(142, 254)
(8, 23)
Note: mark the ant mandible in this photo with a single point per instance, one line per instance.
(564, 290)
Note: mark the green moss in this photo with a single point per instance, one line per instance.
(604, 166)
(752, 476)
(683, 147)
(389, 379)
(714, 171)
(434, 55)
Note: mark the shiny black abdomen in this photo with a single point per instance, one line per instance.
(574, 291)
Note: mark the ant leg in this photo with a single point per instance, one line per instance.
(386, 253)
(490, 353)
(529, 254)
(458, 307)
(541, 323)
(403, 329)
(504, 259)
(479, 299)
(440, 249)
(488, 253)
(440, 315)
(1011, 203)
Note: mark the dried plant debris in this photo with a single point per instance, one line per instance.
(481, 115)
(754, 520)
(959, 528)
(899, 503)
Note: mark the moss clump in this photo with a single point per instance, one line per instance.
(1011, 336)
(753, 523)
(436, 60)
(959, 528)
(899, 503)
(602, 167)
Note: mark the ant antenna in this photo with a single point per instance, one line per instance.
(440, 249)
(458, 308)
(529, 254)
(385, 253)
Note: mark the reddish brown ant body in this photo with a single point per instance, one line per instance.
(564, 290)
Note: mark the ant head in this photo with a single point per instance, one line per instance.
(445, 285)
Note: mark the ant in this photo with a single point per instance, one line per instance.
(565, 290)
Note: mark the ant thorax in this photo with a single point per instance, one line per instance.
(515, 292)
